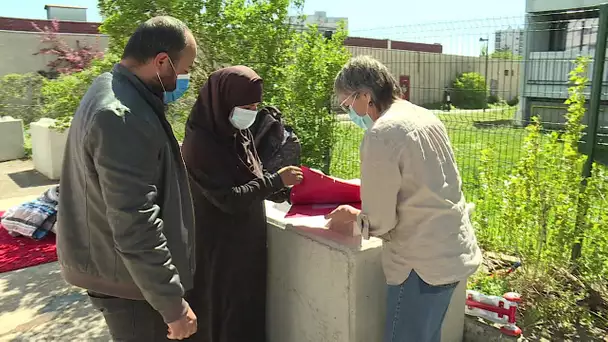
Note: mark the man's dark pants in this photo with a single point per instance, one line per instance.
(130, 320)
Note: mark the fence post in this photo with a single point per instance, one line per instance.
(596, 88)
(328, 34)
(599, 60)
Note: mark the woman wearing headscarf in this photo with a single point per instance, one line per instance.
(229, 188)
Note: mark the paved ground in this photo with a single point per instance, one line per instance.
(19, 182)
(35, 303)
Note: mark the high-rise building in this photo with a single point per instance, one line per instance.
(510, 40)
(581, 34)
(323, 22)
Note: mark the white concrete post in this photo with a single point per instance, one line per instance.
(11, 139)
(48, 145)
(324, 287)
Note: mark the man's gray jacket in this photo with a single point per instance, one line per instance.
(125, 217)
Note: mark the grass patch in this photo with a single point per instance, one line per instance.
(469, 132)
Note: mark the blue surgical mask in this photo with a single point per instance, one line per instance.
(181, 86)
(242, 118)
(182, 83)
(365, 122)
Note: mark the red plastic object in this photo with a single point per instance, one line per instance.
(511, 330)
(504, 310)
(318, 188)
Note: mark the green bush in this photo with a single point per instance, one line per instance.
(470, 91)
(494, 99)
(540, 211)
(21, 97)
(305, 95)
(514, 101)
(62, 95)
(433, 105)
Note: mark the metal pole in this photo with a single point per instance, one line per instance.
(594, 112)
(486, 73)
(522, 116)
(596, 89)
(328, 34)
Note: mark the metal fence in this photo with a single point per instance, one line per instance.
(522, 65)
(491, 77)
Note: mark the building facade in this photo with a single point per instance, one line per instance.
(557, 32)
(20, 39)
(319, 18)
(510, 40)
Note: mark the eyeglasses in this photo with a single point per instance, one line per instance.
(343, 106)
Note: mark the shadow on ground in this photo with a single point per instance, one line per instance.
(37, 305)
(30, 179)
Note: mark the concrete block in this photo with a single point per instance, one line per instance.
(48, 145)
(324, 286)
(11, 139)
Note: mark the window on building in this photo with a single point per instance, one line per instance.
(506, 72)
(557, 36)
(512, 72)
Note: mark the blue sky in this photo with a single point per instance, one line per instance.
(422, 21)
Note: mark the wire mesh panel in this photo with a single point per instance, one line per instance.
(487, 80)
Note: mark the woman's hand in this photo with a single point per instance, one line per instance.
(341, 217)
(291, 175)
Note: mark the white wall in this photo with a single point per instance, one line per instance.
(430, 73)
(18, 49)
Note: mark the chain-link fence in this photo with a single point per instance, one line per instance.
(491, 78)
(486, 80)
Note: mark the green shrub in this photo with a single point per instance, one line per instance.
(21, 97)
(540, 211)
(470, 91)
(304, 96)
(514, 101)
(494, 99)
(62, 95)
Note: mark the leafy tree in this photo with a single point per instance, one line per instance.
(121, 17)
(62, 95)
(470, 91)
(305, 96)
(298, 68)
(67, 59)
(20, 96)
(505, 54)
(483, 52)
(229, 32)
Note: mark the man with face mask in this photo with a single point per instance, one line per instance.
(125, 229)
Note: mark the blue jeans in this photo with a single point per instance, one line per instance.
(415, 310)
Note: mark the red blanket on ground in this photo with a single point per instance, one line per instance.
(22, 252)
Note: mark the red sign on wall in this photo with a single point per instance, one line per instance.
(404, 82)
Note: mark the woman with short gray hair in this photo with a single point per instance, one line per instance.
(411, 198)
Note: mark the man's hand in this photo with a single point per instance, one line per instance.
(183, 327)
(342, 217)
(291, 175)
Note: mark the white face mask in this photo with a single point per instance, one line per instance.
(242, 118)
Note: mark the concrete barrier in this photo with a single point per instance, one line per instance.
(48, 145)
(11, 139)
(326, 287)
